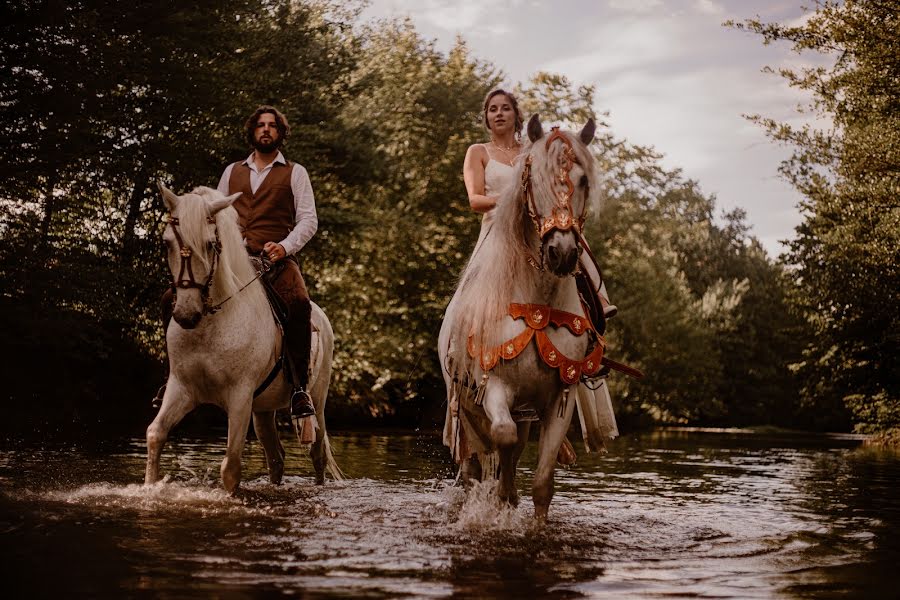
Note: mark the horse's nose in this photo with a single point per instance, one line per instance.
(562, 257)
(188, 322)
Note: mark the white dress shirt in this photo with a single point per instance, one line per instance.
(305, 220)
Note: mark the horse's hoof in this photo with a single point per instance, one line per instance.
(510, 501)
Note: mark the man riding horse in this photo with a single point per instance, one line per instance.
(277, 216)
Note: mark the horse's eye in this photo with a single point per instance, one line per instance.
(583, 181)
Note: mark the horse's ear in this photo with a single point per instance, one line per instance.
(586, 135)
(168, 195)
(220, 203)
(587, 132)
(535, 131)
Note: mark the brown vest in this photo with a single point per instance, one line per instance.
(269, 214)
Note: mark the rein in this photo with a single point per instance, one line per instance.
(265, 267)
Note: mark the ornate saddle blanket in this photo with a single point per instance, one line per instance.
(537, 317)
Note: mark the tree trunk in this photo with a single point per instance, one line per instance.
(129, 237)
(49, 210)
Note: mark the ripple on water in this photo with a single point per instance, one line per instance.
(686, 517)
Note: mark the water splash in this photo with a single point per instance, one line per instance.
(481, 510)
(165, 495)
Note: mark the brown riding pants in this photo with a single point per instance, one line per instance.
(298, 332)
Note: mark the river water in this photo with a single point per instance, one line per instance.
(666, 514)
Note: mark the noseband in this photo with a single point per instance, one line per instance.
(185, 279)
(562, 217)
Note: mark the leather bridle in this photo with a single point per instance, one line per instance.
(562, 217)
(185, 279)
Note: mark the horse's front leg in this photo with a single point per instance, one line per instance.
(267, 432)
(470, 471)
(509, 458)
(238, 420)
(175, 405)
(553, 430)
(496, 406)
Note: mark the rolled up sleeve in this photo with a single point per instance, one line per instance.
(306, 221)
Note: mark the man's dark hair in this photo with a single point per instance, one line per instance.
(281, 122)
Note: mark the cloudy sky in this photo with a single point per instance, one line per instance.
(671, 76)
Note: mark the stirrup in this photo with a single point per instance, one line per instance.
(301, 404)
(156, 403)
(524, 414)
(609, 311)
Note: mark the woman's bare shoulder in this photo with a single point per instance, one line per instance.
(478, 151)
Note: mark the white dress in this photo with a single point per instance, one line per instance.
(497, 176)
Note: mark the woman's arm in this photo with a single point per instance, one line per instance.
(473, 174)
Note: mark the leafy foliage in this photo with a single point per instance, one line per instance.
(845, 255)
(99, 101)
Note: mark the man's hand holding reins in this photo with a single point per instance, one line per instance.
(274, 251)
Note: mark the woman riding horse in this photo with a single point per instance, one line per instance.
(521, 270)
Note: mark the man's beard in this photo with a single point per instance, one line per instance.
(267, 147)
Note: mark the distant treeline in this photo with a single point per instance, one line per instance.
(98, 101)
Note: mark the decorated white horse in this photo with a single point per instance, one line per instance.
(516, 338)
(224, 344)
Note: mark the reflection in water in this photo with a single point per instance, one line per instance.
(667, 513)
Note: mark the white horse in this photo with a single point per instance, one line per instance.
(223, 341)
(516, 312)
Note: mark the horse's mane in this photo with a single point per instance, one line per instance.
(234, 268)
(499, 271)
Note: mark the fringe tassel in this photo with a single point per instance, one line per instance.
(454, 400)
(306, 430)
(565, 400)
(479, 395)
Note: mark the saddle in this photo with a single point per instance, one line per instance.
(270, 272)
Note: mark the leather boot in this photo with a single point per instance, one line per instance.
(299, 342)
(590, 301)
(609, 310)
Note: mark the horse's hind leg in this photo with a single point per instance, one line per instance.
(267, 432)
(238, 420)
(176, 404)
(553, 430)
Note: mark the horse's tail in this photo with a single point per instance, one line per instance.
(330, 464)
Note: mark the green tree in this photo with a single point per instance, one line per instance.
(416, 111)
(98, 100)
(702, 308)
(845, 255)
